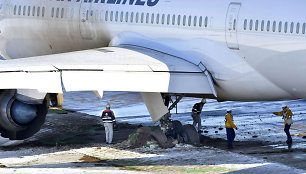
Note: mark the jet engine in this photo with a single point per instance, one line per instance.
(20, 120)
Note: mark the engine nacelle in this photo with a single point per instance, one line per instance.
(19, 120)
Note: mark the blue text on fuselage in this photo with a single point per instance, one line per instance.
(149, 3)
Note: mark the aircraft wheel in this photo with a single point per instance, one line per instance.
(189, 135)
(176, 128)
(157, 135)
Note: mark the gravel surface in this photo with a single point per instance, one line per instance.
(74, 143)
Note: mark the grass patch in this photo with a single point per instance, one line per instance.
(57, 111)
(203, 169)
(132, 163)
(150, 166)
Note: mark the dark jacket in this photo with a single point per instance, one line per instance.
(108, 116)
(197, 108)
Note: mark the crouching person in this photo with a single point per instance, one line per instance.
(108, 118)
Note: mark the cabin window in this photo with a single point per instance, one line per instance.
(116, 16)
(63, 13)
(38, 11)
(126, 16)
(262, 25)
(168, 19)
(173, 20)
(137, 17)
(152, 18)
(304, 28)
(147, 18)
(251, 25)
(286, 27)
(245, 24)
(291, 27)
(280, 26)
(87, 14)
(157, 18)
(206, 21)
(57, 13)
(256, 25)
(106, 16)
(195, 20)
(52, 12)
(189, 21)
(163, 19)
(200, 21)
(234, 25)
(274, 26)
(121, 16)
(19, 10)
(268, 26)
(142, 17)
(15, 9)
(111, 16)
(24, 10)
(29, 10)
(179, 20)
(33, 11)
(132, 17)
(297, 28)
(43, 12)
(184, 20)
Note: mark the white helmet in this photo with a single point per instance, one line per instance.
(228, 110)
(107, 106)
(203, 100)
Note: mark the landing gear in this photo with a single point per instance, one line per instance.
(168, 126)
(56, 100)
(173, 128)
(159, 109)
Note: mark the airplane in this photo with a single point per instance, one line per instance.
(229, 50)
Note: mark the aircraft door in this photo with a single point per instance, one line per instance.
(231, 25)
(86, 24)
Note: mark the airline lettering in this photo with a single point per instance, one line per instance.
(149, 3)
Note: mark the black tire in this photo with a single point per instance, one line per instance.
(189, 135)
(176, 128)
(157, 135)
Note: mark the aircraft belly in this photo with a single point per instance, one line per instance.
(280, 60)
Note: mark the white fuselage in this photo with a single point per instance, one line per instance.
(255, 50)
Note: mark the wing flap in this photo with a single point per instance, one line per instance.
(46, 82)
(127, 68)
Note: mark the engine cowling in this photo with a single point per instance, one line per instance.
(19, 120)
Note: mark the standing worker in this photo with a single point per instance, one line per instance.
(196, 114)
(287, 116)
(108, 118)
(229, 125)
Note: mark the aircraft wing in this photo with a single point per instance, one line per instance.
(126, 68)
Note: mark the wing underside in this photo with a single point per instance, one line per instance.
(127, 68)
